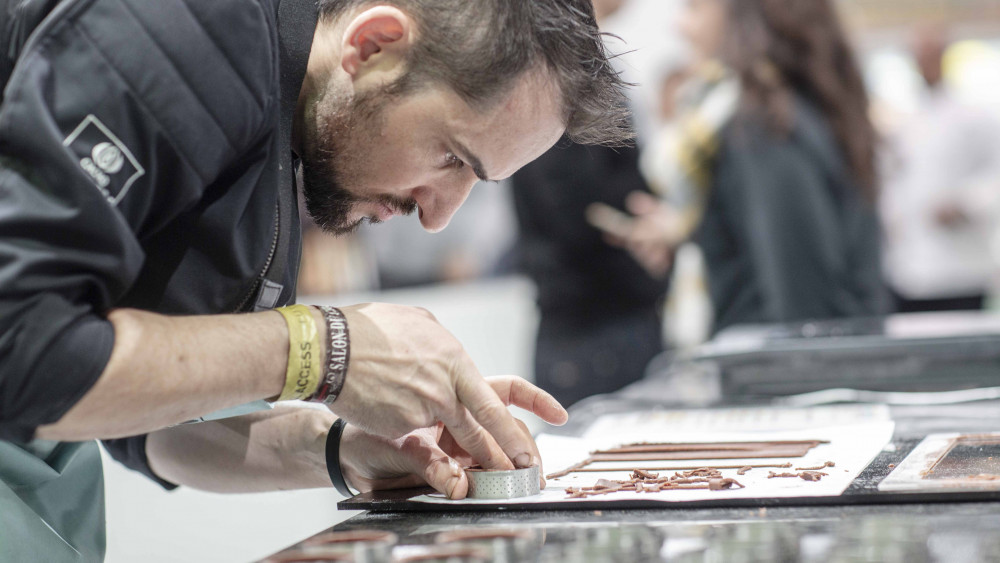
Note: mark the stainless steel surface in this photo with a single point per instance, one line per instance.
(360, 546)
(904, 533)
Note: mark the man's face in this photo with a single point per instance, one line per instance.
(378, 154)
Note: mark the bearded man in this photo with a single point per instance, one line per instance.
(148, 227)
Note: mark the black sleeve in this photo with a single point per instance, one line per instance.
(786, 217)
(113, 122)
(131, 452)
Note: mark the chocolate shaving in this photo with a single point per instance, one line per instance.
(720, 484)
(646, 480)
(700, 472)
(643, 474)
(806, 475)
(821, 467)
(701, 478)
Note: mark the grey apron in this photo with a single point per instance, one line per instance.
(51, 502)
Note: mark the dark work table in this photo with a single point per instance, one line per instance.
(892, 354)
(907, 528)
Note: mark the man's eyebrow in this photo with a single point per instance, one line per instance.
(472, 160)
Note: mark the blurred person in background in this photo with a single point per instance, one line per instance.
(940, 201)
(775, 172)
(332, 265)
(599, 326)
(474, 245)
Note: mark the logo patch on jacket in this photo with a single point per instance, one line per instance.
(104, 158)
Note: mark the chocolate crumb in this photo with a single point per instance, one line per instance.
(720, 484)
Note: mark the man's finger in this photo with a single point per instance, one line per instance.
(477, 440)
(488, 410)
(538, 455)
(426, 459)
(513, 390)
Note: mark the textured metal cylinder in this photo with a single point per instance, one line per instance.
(484, 484)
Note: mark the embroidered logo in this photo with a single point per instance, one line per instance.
(105, 159)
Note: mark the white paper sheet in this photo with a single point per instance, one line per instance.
(856, 434)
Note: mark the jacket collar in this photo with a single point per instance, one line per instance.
(296, 27)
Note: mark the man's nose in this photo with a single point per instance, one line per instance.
(438, 204)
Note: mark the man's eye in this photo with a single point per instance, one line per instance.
(454, 161)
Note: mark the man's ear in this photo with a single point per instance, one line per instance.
(376, 40)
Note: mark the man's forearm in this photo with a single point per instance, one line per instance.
(166, 370)
(281, 449)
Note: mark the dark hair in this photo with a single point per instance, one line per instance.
(778, 47)
(480, 47)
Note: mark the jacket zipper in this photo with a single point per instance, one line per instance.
(267, 264)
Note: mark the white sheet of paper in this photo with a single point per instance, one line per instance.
(856, 434)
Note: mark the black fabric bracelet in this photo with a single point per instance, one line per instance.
(338, 356)
(333, 458)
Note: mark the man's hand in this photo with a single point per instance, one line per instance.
(408, 372)
(425, 456)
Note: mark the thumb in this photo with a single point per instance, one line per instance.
(442, 472)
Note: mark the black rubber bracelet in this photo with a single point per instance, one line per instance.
(333, 458)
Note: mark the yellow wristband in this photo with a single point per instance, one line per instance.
(302, 378)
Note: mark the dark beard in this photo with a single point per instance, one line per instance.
(334, 153)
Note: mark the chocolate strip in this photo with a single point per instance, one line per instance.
(582, 468)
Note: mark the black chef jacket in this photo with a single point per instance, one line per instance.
(144, 162)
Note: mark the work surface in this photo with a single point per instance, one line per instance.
(920, 532)
(932, 527)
